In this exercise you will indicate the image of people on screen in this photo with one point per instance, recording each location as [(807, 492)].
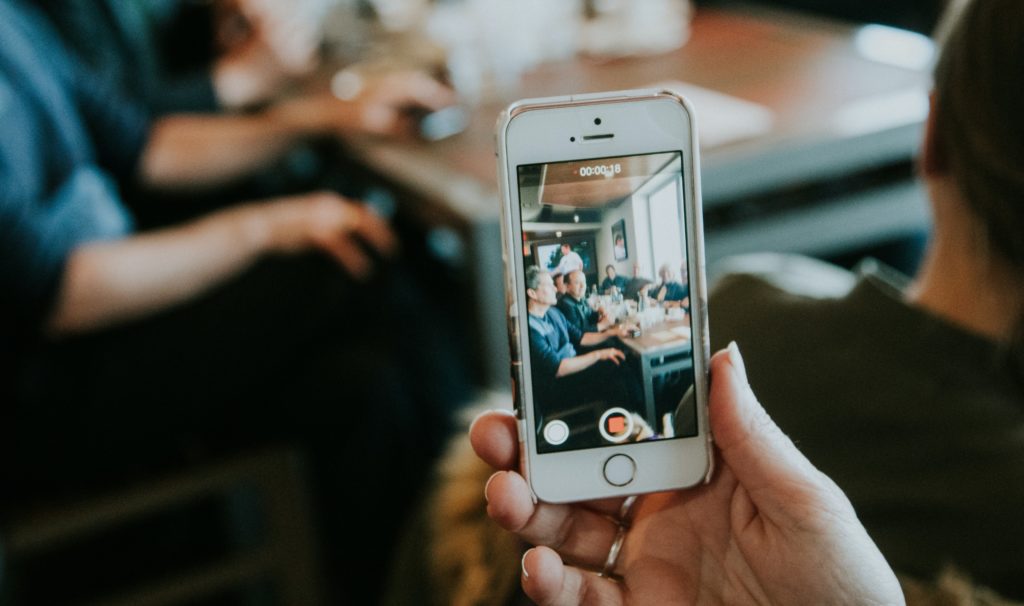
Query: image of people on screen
[(574, 372), (610, 352)]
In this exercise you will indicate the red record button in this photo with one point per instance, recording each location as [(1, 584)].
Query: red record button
[(616, 425)]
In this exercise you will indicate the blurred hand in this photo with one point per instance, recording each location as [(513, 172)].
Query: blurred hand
[(769, 528), (611, 354), (386, 104), (328, 222), (623, 330)]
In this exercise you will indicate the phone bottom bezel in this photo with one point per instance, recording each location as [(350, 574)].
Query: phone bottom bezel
[(661, 465)]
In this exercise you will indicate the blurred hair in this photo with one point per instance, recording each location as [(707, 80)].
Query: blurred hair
[(979, 84), (979, 123), (533, 275)]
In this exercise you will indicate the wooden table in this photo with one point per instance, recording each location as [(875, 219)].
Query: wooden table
[(843, 133), (662, 348)]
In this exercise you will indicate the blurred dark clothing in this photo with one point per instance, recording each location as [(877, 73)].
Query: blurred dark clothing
[(916, 15), (674, 291), (579, 313), (920, 422), (290, 352), (552, 339), (136, 46), (618, 282), (284, 349), (634, 287), (63, 136)]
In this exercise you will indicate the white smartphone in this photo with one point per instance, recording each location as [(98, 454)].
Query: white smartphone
[(606, 293)]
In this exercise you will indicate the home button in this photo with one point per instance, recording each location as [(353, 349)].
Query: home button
[(619, 470)]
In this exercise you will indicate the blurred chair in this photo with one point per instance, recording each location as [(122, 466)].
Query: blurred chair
[(265, 520)]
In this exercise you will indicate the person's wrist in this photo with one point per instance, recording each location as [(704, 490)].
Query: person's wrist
[(281, 226), (259, 229), (305, 116)]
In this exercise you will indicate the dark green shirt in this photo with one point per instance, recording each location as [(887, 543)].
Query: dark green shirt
[(579, 313), (919, 421)]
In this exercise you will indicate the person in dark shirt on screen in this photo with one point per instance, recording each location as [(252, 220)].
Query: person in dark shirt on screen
[(577, 310), (669, 292), (612, 280), (561, 288)]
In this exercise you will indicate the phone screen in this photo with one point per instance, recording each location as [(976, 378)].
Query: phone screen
[(607, 300)]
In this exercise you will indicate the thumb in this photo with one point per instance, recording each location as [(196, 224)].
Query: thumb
[(751, 444)]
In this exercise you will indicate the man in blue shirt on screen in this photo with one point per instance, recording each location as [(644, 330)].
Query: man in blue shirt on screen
[(563, 377)]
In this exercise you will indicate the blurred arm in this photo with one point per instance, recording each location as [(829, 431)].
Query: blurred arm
[(205, 150), (105, 283), (108, 282), (193, 150)]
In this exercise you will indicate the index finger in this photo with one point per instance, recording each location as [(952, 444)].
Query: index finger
[(375, 231)]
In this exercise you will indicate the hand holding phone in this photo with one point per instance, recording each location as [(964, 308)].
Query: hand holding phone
[(769, 524), (593, 184)]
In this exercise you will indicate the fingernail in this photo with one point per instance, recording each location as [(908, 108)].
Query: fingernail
[(475, 419), (736, 359), (501, 411), (522, 564), (488, 484)]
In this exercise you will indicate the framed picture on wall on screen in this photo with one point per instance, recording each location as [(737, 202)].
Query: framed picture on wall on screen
[(619, 240)]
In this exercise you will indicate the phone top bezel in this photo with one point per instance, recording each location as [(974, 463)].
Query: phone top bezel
[(549, 480)]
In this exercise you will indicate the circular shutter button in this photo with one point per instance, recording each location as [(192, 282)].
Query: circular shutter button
[(556, 433), (619, 470)]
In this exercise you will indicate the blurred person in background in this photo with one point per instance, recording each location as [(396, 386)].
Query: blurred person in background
[(561, 288), (188, 56), (908, 393), (917, 15), (193, 65), (287, 319), (570, 261), (612, 280), (669, 292)]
